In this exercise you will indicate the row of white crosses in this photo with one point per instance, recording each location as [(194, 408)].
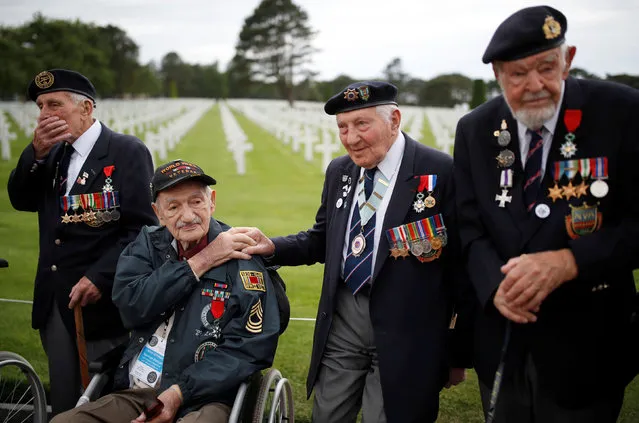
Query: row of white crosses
[(6, 136), (235, 138), (443, 124)]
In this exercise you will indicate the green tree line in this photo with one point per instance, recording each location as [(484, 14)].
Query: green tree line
[(273, 59)]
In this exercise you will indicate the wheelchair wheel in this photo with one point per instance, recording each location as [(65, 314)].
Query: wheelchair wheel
[(275, 400), (22, 397)]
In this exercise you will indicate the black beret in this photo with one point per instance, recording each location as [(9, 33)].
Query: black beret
[(53, 80), (171, 173), (526, 33), (359, 95)]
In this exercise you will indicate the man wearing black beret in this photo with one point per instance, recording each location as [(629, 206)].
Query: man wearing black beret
[(549, 222), (385, 337), (90, 188)]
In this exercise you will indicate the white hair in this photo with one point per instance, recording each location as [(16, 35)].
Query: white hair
[(563, 53), (78, 98), (385, 111)]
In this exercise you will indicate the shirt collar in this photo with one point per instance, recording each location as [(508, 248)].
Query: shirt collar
[(550, 124), (85, 142), (388, 166)]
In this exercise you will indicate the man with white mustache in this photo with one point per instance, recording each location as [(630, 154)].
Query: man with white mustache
[(549, 222)]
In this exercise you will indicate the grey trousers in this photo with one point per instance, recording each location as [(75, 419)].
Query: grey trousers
[(348, 378), (125, 406), (520, 400), (62, 354)]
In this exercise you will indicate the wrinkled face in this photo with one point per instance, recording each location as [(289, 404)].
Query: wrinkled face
[(185, 210), (532, 85), (77, 116), (366, 135)]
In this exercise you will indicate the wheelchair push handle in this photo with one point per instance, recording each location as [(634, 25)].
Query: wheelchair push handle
[(3, 263)]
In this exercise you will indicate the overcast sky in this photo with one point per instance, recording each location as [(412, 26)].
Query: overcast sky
[(356, 37)]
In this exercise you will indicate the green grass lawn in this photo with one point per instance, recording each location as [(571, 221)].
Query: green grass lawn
[(280, 194)]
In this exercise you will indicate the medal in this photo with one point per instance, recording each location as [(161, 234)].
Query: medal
[(427, 183), (358, 245), (115, 214), (599, 188), (503, 198), (436, 243), (66, 218), (542, 211), (572, 120), (108, 171), (417, 248), (554, 193), (339, 203), (506, 158), (419, 205), (569, 191)]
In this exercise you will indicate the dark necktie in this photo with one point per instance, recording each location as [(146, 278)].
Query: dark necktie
[(358, 270), (63, 167), (533, 169)]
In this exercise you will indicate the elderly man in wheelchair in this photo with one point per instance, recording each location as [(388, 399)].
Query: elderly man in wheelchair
[(203, 315)]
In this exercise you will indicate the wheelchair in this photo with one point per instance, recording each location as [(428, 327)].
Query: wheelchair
[(266, 398)]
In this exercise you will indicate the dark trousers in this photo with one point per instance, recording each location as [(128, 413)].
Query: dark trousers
[(522, 401)]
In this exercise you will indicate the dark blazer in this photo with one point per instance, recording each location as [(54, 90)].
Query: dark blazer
[(70, 251), (579, 342), (410, 302)]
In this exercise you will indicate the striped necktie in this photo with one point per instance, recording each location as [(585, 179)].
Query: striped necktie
[(533, 168), (358, 270)]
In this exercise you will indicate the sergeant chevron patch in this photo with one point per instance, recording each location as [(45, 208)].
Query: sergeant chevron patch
[(254, 323)]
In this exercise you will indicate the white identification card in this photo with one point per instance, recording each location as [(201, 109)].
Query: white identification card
[(148, 366)]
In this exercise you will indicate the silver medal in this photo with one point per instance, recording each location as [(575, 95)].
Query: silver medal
[(504, 138), (506, 158), (115, 214), (599, 188), (358, 245), (339, 203), (417, 248)]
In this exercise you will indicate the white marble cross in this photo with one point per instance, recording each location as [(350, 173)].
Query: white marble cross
[(327, 147), (6, 136)]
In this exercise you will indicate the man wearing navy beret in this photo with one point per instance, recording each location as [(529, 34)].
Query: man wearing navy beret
[(548, 209), (385, 337), (90, 188)]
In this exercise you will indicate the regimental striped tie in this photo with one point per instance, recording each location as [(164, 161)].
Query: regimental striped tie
[(533, 168), (358, 270)]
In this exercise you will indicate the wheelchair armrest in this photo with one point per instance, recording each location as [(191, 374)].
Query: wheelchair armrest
[(4, 263), (107, 361)]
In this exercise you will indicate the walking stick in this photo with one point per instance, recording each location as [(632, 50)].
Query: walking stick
[(494, 393), (82, 345)]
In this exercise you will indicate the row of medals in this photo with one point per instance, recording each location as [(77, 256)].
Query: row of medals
[(506, 158), (418, 247), (91, 217)]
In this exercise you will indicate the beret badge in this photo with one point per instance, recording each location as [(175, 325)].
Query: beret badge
[(552, 28), (350, 94), (44, 80), (364, 92)]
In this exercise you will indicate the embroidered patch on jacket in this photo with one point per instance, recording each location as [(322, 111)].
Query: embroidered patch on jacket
[(252, 280), (254, 323)]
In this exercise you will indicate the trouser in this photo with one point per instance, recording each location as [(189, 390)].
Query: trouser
[(522, 401), (127, 405), (348, 377), (62, 354)]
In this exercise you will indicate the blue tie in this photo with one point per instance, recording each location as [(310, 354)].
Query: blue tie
[(358, 270), (533, 169)]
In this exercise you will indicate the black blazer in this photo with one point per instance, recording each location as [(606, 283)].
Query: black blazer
[(410, 302), (580, 340), (77, 249)]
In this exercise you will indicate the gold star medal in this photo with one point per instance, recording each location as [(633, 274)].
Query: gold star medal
[(582, 189), (555, 193), (569, 191)]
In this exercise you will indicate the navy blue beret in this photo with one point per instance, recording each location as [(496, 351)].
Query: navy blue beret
[(360, 95), (53, 80), (526, 33)]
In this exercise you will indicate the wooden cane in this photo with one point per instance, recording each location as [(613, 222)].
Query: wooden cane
[(82, 345)]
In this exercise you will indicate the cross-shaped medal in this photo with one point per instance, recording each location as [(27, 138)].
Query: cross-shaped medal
[(503, 198)]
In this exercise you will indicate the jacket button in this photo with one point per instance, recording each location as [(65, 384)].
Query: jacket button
[(57, 242), (323, 315), (54, 268), (140, 340)]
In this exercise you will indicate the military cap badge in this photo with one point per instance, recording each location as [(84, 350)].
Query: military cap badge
[(552, 28), (44, 80), (351, 94)]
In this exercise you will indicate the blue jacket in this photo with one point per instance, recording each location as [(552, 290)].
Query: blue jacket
[(151, 283)]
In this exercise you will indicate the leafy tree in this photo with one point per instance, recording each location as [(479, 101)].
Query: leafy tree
[(582, 73), (275, 45), (479, 93), (446, 91), (623, 78)]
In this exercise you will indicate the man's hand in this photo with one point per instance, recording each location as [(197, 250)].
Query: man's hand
[(455, 377), (48, 133), (530, 278), (172, 400), (84, 292), (226, 246), (264, 246), (516, 314)]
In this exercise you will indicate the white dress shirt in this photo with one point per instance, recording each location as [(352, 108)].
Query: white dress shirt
[(81, 149), (389, 167)]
